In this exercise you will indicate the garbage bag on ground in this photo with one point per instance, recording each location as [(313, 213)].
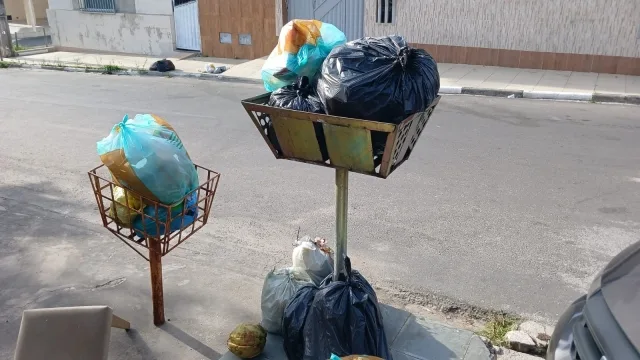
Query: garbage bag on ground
[(279, 288), (313, 256), (295, 315), (211, 68), (378, 79), (148, 223), (146, 155), (163, 65), (299, 96), (348, 313), (247, 341), (302, 47), (119, 211)]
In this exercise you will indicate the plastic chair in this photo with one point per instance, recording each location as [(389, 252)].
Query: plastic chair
[(69, 333)]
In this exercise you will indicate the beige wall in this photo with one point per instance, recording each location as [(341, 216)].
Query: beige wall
[(15, 8), (120, 32), (598, 27)]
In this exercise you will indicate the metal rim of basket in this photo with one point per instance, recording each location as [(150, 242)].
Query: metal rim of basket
[(103, 188)]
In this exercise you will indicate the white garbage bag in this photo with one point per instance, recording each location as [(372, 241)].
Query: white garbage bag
[(314, 257), (279, 288)]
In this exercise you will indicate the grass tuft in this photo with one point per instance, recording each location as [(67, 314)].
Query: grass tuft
[(496, 329), (110, 69)]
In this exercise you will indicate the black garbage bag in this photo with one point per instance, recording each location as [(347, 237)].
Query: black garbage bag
[(299, 96), (378, 79), (163, 65), (295, 315), (345, 319)]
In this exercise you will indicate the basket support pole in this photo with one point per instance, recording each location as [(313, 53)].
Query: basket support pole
[(157, 292), (342, 209)]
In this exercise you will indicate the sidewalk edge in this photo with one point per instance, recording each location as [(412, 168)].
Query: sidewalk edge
[(617, 98), (632, 99), (553, 95)]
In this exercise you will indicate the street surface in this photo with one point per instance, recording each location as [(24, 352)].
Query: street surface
[(505, 204)]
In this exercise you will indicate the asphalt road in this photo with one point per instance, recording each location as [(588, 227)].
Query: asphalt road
[(505, 204)]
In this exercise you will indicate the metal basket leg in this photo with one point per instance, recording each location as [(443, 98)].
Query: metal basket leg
[(157, 292), (342, 209)]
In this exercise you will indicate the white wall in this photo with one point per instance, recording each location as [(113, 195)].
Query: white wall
[(128, 33), (61, 4), (156, 7), (598, 27)]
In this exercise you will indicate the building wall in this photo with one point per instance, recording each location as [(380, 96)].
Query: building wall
[(585, 35), (138, 27), (255, 17), (16, 9)]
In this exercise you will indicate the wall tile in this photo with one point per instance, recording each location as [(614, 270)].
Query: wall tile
[(509, 58), (580, 62), (604, 64), (561, 62), (531, 60), (548, 60), (628, 66)]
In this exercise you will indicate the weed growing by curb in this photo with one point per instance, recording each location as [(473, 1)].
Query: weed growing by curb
[(496, 329), (4, 65), (110, 69)]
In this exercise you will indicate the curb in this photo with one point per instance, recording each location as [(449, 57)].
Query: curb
[(550, 95), (449, 90), (511, 94), (617, 98)]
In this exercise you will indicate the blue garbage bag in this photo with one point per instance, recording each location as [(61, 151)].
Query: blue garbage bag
[(155, 228), (145, 155)]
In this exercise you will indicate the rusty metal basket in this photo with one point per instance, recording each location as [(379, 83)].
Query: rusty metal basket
[(303, 136), (103, 188)]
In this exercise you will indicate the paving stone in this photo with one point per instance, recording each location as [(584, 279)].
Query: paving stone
[(521, 341), (537, 332), (393, 320), (428, 340), (477, 350), (514, 355)]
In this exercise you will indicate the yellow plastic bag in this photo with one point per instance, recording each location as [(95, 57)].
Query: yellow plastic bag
[(122, 214)]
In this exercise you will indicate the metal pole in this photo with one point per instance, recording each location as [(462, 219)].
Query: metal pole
[(342, 209), (6, 48), (157, 293)]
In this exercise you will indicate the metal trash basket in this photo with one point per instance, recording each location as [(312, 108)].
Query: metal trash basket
[(348, 142), (103, 187)]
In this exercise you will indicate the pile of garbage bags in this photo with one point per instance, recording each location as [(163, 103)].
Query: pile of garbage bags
[(314, 69), (317, 316), (149, 163)]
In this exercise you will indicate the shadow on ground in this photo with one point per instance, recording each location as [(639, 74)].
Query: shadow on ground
[(49, 259)]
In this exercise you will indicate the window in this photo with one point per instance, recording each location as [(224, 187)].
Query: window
[(245, 39), (226, 38), (384, 11), (106, 6)]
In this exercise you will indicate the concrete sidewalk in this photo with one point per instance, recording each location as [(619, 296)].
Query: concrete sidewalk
[(51, 260), (410, 338), (455, 78)]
